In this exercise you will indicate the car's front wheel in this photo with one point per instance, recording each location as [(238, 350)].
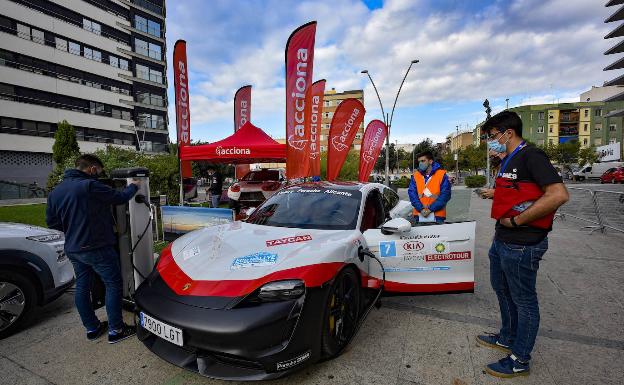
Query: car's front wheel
[(342, 313), (17, 302)]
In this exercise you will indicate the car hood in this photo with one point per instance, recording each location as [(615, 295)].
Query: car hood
[(245, 251), (8, 229), (234, 259)]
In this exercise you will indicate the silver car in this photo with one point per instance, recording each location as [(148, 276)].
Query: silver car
[(34, 271)]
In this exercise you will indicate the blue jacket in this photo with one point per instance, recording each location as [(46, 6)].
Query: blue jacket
[(80, 207), (445, 191)]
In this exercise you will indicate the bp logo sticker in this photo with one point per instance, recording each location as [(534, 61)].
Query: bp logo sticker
[(439, 247)]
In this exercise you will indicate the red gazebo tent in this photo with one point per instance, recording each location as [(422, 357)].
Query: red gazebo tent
[(249, 144)]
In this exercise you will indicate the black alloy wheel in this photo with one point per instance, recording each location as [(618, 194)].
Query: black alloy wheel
[(342, 313)]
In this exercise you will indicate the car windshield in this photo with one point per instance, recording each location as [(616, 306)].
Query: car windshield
[(262, 175), (310, 208)]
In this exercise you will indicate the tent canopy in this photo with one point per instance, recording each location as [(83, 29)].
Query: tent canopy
[(249, 144)]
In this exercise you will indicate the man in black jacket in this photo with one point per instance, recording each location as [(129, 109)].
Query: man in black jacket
[(80, 207)]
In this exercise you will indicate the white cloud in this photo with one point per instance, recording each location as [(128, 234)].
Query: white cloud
[(519, 48)]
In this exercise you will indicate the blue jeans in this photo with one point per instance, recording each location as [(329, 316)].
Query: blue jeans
[(214, 198), (513, 273), (105, 263)]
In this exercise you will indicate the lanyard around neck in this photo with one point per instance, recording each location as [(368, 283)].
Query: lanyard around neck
[(508, 158)]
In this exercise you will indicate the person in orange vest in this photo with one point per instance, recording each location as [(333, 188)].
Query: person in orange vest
[(429, 190)]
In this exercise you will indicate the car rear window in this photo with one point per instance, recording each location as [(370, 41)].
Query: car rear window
[(310, 208), (261, 175)]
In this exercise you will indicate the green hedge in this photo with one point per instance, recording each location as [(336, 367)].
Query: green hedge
[(475, 181)]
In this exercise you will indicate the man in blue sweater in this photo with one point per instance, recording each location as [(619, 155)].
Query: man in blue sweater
[(429, 190), (80, 207)]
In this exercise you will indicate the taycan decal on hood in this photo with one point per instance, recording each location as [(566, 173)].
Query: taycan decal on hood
[(261, 258), (286, 240)]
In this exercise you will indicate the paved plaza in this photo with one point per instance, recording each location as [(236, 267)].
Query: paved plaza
[(410, 340)]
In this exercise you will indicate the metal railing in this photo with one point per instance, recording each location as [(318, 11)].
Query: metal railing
[(14, 190), (602, 209)]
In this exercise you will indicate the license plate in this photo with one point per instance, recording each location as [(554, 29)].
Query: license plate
[(161, 329)]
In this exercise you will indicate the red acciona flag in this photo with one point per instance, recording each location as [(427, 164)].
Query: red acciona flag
[(314, 112), (299, 65), (344, 126), (182, 105), (374, 137), (242, 115)]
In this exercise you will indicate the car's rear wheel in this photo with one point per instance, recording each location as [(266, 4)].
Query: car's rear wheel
[(342, 313), (17, 302)]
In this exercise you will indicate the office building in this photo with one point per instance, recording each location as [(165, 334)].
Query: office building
[(99, 64)]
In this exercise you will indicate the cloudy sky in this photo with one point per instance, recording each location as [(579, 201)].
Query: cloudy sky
[(530, 51)]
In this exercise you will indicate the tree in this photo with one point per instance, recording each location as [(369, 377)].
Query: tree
[(65, 142), (473, 157), (587, 155), (350, 169), (64, 151)]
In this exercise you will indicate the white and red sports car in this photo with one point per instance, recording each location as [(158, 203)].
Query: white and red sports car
[(291, 285), (255, 187)]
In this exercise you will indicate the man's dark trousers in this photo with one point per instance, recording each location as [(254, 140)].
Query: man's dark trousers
[(105, 263), (513, 274)]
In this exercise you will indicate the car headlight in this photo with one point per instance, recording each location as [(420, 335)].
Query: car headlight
[(45, 237), (281, 290)]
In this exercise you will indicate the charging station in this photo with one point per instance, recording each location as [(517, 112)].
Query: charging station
[(133, 228)]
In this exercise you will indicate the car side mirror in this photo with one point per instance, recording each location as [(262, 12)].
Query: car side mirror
[(396, 225)]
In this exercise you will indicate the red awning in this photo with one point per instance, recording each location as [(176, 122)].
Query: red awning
[(249, 144)]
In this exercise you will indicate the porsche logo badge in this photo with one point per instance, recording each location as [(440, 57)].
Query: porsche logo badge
[(186, 286)]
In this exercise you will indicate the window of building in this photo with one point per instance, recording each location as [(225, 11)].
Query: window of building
[(7, 92), (126, 115), (612, 140), (326, 103), (38, 36), (153, 28), (147, 120), (123, 64), (584, 141), (612, 127), (531, 118), (60, 43), (540, 115), (74, 48), (550, 141), (148, 98), (44, 129), (155, 51), (23, 31), (598, 112), (585, 125), (8, 123), (114, 61), (540, 129), (598, 142), (115, 113), (598, 127), (142, 72), (92, 26), (586, 112), (30, 126), (140, 23), (550, 128), (140, 47), (88, 53)]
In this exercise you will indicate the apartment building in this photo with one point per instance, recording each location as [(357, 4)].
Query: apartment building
[(99, 64)]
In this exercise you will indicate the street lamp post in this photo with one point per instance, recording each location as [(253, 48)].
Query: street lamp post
[(388, 122), (413, 151), (457, 155)]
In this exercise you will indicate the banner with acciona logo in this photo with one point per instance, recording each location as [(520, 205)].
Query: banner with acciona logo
[(242, 115), (374, 137), (314, 112), (299, 65), (183, 112), (344, 126)]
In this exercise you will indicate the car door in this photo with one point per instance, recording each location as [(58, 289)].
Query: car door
[(436, 258)]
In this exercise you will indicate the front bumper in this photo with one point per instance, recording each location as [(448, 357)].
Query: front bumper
[(248, 343)]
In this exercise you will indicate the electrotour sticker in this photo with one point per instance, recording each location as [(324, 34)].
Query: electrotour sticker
[(286, 240), (454, 256), (261, 258)]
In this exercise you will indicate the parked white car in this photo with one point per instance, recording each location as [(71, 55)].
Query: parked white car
[(34, 271), (595, 170)]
